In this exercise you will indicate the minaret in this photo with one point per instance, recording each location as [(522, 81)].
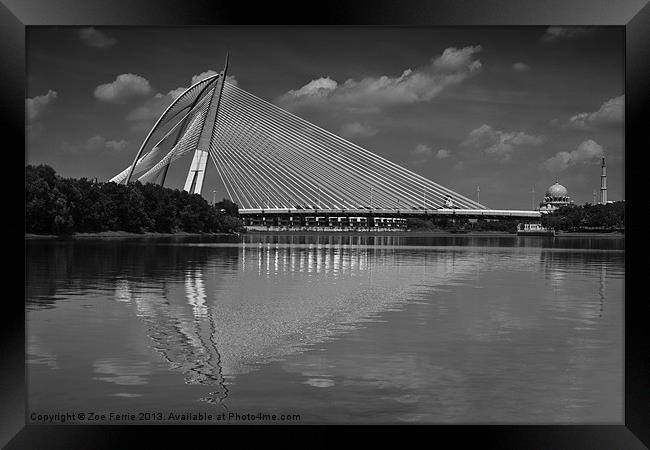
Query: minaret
[(532, 204), (603, 183)]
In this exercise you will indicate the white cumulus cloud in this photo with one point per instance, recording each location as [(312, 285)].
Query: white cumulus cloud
[(373, 93), (500, 144), (588, 152), (95, 38), (94, 144), (520, 67), (146, 114), (36, 106), (125, 86), (202, 76), (98, 142), (422, 149), (426, 151), (116, 146), (175, 93), (610, 112), (321, 87), (558, 33), (209, 73), (357, 129)]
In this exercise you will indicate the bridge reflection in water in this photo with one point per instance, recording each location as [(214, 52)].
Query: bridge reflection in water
[(185, 341), (211, 337)]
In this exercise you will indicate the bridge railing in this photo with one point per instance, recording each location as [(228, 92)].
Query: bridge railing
[(410, 212)]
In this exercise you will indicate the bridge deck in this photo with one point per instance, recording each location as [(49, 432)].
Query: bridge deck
[(524, 214)]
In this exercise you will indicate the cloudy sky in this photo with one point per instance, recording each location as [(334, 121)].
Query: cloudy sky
[(503, 108)]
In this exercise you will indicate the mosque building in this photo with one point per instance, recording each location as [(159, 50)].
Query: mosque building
[(556, 197)]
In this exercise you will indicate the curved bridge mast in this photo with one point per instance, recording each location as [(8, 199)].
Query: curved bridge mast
[(196, 174)]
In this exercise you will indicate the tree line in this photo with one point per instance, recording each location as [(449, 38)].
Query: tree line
[(461, 224), (572, 218), (57, 205), (588, 217)]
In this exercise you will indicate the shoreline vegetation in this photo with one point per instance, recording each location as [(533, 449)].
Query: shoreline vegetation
[(70, 207), (121, 235), (81, 208), (587, 218)]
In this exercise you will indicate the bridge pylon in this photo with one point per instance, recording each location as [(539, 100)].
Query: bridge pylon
[(196, 173)]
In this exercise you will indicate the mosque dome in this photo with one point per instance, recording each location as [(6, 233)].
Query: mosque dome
[(557, 190)]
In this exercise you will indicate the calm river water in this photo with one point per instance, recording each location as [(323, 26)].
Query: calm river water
[(333, 328)]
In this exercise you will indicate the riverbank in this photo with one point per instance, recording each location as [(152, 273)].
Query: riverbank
[(440, 233), (613, 234), (377, 233), (427, 233), (121, 235)]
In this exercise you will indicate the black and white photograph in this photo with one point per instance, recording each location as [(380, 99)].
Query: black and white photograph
[(294, 225)]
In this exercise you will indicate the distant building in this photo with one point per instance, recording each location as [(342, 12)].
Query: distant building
[(556, 197), (449, 202)]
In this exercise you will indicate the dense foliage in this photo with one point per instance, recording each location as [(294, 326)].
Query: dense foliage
[(585, 218), (588, 217), (504, 225), (56, 205), (461, 224)]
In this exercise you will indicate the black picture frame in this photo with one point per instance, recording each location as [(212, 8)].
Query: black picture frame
[(634, 15)]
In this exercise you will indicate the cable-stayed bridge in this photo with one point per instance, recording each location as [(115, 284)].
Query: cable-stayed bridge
[(272, 162)]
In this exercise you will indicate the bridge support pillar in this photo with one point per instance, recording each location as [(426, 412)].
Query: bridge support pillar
[(194, 181)]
